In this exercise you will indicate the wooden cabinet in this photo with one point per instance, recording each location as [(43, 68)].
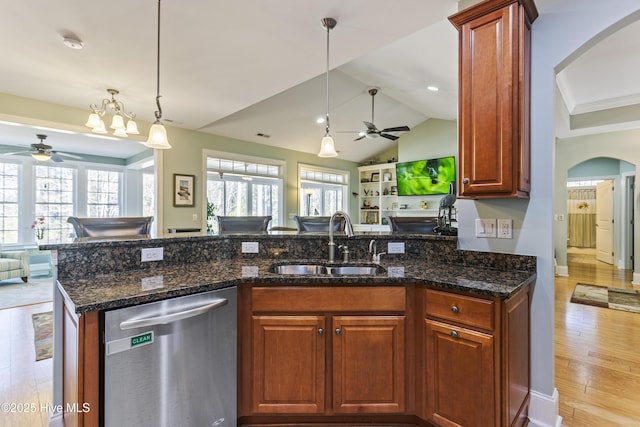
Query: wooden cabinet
[(476, 356), (295, 365), (80, 355), (378, 194), (494, 97), (368, 364)]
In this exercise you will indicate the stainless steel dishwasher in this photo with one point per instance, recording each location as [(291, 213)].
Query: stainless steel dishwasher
[(172, 363)]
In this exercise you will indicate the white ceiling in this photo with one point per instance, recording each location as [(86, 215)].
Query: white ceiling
[(257, 66)]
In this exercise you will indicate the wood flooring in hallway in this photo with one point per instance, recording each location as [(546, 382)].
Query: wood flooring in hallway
[(597, 351)]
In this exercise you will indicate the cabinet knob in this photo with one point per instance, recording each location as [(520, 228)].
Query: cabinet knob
[(454, 334), (465, 180), (455, 309), (338, 331), (320, 331)]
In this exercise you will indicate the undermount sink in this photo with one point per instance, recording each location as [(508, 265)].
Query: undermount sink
[(333, 270)]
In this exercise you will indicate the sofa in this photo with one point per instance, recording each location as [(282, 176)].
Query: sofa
[(13, 265)]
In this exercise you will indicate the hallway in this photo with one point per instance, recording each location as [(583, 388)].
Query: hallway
[(597, 351)]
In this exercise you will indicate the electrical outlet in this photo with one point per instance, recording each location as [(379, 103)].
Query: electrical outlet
[(486, 228), (395, 248), (151, 254), (505, 229), (250, 247)]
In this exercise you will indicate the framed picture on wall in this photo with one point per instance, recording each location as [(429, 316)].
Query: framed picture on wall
[(183, 190)]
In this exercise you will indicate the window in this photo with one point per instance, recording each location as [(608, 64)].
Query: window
[(322, 191), (148, 195), (9, 202), (243, 185), (103, 193), (54, 200)]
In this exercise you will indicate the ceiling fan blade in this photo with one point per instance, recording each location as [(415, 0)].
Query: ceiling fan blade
[(71, 156), (370, 126), (360, 137), (16, 152), (396, 129), (56, 158), (391, 137)]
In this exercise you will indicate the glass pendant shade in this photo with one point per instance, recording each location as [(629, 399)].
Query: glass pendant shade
[(41, 156), (100, 128), (157, 137), (93, 120), (117, 122), (132, 128), (327, 148), (120, 133)]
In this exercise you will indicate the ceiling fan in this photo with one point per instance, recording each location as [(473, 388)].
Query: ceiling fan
[(43, 152), (372, 131)]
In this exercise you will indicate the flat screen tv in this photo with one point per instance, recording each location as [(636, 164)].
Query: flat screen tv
[(424, 177)]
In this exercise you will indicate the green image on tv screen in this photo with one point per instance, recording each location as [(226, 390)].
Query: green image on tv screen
[(423, 177)]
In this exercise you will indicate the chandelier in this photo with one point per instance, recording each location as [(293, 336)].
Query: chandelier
[(96, 123)]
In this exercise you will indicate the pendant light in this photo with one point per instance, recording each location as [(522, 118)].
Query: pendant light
[(157, 133), (327, 147)]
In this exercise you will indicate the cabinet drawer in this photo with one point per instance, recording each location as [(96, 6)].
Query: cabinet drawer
[(334, 298), (463, 309)]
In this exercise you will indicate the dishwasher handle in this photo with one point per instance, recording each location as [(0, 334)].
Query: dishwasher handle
[(173, 317)]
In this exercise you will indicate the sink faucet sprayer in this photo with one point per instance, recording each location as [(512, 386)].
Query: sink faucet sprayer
[(348, 229)]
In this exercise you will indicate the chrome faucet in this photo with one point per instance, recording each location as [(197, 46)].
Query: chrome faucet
[(375, 257), (348, 229)]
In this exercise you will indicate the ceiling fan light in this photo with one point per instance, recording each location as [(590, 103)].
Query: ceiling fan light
[(327, 147), (157, 137), (93, 120), (120, 133), (117, 122), (100, 128), (41, 156), (132, 128)]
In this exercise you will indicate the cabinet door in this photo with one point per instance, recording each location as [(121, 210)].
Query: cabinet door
[(493, 120), (369, 364), (288, 364), (459, 376)]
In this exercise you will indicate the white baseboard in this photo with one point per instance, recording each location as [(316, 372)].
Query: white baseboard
[(635, 280), (543, 410), (562, 270)]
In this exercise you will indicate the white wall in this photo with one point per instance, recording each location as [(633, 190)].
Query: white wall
[(562, 28)]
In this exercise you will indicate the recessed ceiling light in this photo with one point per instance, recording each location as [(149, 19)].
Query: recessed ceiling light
[(72, 42), (433, 88)]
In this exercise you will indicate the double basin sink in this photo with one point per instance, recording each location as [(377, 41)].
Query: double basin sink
[(312, 269)]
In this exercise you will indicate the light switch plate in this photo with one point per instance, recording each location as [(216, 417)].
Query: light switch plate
[(250, 247), (486, 227)]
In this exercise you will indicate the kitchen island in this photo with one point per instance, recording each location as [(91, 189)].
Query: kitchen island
[(434, 315)]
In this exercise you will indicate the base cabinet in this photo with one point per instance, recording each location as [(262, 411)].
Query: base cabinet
[(460, 375)]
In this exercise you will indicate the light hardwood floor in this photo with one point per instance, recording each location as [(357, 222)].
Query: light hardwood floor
[(597, 351), (25, 384)]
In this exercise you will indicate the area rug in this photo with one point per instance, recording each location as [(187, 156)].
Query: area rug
[(16, 293), (601, 296), (43, 334)]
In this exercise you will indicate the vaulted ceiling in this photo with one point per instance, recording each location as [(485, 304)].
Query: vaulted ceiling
[(246, 67)]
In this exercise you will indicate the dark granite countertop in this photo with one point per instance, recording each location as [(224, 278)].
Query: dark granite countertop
[(111, 291)]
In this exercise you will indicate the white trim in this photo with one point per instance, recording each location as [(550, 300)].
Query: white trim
[(543, 410), (56, 420), (562, 271), (636, 279)]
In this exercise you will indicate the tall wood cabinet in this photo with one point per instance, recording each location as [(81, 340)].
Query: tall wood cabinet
[(494, 97)]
